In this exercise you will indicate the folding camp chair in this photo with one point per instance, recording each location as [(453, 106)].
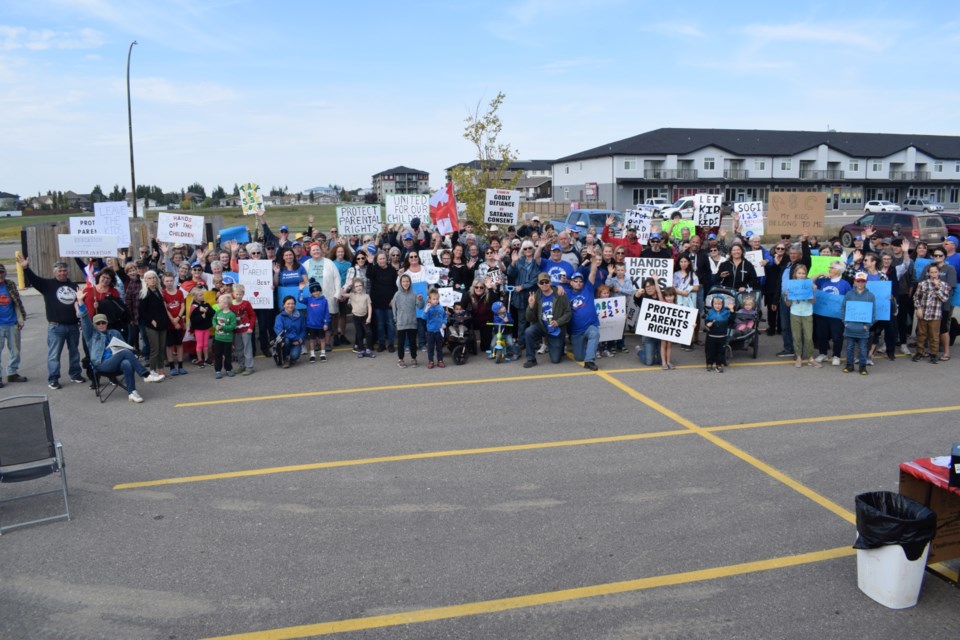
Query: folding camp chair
[(103, 384), (29, 451)]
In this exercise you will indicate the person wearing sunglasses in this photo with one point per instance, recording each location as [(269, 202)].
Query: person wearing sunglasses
[(655, 248), (631, 245), (523, 272)]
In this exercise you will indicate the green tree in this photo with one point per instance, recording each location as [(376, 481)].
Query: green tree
[(493, 157), (218, 193), (96, 194), (236, 189), (198, 189), (116, 195)]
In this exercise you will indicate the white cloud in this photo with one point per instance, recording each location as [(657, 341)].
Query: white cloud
[(857, 36), (560, 67), (14, 38), (675, 29), (163, 91)]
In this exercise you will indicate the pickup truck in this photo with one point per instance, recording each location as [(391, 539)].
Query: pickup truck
[(586, 218), (657, 203)]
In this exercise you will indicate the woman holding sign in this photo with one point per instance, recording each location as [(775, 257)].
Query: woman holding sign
[(737, 272)]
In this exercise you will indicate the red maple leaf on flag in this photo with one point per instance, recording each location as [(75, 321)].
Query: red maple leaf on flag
[(443, 209)]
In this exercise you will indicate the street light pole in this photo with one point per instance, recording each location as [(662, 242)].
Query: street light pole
[(133, 178)]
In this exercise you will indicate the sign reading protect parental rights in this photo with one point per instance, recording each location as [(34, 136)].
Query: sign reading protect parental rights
[(358, 219)]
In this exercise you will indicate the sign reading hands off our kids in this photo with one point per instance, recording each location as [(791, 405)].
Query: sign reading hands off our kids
[(660, 269), (666, 321), (179, 227)]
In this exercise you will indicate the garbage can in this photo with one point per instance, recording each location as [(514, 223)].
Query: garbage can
[(894, 534)]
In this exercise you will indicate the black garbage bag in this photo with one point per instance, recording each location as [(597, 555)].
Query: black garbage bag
[(886, 518)]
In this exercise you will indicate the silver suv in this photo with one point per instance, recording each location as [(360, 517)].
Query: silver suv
[(919, 204)]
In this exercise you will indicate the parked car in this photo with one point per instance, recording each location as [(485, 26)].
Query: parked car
[(952, 220), (657, 203), (917, 226), (919, 204), (686, 206), (586, 218), (876, 206)]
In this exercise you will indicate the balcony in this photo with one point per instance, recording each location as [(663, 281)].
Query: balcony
[(815, 174), (910, 176), (735, 174), (669, 174)]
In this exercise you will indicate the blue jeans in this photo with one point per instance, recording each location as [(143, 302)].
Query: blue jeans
[(57, 336), (434, 343), (385, 326), (785, 331), (649, 352), (852, 344), (124, 362), (292, 350), (554, 343), (10, 336), (421, 331), (592, 337)]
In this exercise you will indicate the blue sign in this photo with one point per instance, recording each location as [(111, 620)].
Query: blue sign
[(919, 265), (955, 299), (799, 289), (858, 311), (881, 290), (827, 304), (420, 288), (240, 234), (283, 292)]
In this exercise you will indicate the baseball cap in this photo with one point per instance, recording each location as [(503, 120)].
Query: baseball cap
[(299, 236), (577, 276), (100, 318), (655, 236), (283, 227), (886, 240), (195, 265), (3, 269), (228, 280), (494, 229), (543, 277), (860, 276), (952, 239), (711, 236), (408, 236), (556, 247), (297, 243), (535, 219)]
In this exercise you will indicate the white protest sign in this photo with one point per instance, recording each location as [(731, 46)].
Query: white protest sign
[(432, 274), (358, 219), (83, 226), (640, 219), (250, 198), (444, 226), (708, 210), (612, 313), (87, 246), (665, 321), (756, 259), (659, 268), (501, 206), (112, 219), (402, 208), (448, 296), (179, 227), (256, 276), (426, 257), (751, 218)]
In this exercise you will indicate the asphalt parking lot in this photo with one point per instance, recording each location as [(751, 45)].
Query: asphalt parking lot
[(480, 501)]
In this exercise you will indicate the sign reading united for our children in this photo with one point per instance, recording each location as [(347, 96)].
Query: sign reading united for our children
[(404, 207), (501, 206), (358, 220)]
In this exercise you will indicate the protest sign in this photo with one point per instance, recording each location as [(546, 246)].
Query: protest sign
[(240, 234), (83, 226), (256, 276), (639, 219), (827, 304), (795, 213), (420, 288), (358, 219), (448, 296), (955, 298), (501, 206), (659, 268), (431, 274), (799, 289), (919, 264), (820, 265), (666, 321), (87, 246), (113, 219), (612, 313), (404, 207), (750, 215), (707, 210), (858, 311), (426, 257), (179, 227), (283, 292), (881, 290), (251, 199), (756, 259)]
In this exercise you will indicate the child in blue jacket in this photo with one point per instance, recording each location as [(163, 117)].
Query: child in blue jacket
[(717, 321), (318, 318), (436, 319)]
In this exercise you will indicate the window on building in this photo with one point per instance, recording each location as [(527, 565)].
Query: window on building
[(566, 193), (938, 167), (566, 169), (709, 164), (786, 164), (637, 196), (760, 165), (630, 164), (877, 166), (956, 168), (854, 165)]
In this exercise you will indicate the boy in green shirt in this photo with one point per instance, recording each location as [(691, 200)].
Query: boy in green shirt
[(224, 323)]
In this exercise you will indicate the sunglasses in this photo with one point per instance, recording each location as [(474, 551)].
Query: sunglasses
[(654, 240), (619, 253), (99, 323), (778, 249), (254, 253), (939, 255), (361, 257), (543, 282), (478, 288)]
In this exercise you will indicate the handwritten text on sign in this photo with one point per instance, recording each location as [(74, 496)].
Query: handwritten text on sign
[(665, 321), (83, 226), (179, 227), (708, 210), (501, 206), (251, 200), (87, 246), (660, 269), (612, 313), (402, 208), (793, 213), (113, 219), (751, 218), (358, 220), (256, 276), (639, 219)]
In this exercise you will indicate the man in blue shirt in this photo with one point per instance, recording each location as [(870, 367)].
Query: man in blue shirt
[(584, 322), (12, 316), (559, 269)]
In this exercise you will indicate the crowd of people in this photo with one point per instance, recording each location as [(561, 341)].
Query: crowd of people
[(531, 289)]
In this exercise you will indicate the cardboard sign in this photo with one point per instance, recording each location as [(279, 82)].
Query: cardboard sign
[(402, 208), (83, 226), (796, 212), (501, 206), (251, 199), (426, 257), (858, 311), (358, 219), (612, 313), (881, 290), (750, 215), (659, 268), (179, 227), (640, 219), (256, 276), (707, 212), (448, 297), (799, 289), (756, 259), (87, 246), (113, 219), (665, 321), (827, 304)]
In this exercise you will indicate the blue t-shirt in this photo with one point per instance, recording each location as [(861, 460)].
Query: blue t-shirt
[(8, 315), (292, 277), (584, 313), (548, 315), (840, 287), (557, 270)]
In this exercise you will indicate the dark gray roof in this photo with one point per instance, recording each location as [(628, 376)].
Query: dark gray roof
[(4, 194), (755, 142), (400, 169), (516, 165)]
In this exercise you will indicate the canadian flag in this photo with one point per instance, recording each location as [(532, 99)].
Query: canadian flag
[(443, 210)]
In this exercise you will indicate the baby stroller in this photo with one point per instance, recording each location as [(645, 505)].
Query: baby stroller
[(459, 335), (742, 332)]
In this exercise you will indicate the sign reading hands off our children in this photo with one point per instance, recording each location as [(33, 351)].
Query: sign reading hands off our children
[(179, 227), (666, 321)]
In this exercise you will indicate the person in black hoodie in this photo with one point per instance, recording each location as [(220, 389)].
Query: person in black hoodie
[(59, 294), (154, 317), (383, 285)]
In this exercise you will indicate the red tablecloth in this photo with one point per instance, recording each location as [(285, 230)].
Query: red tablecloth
[(924, 469)]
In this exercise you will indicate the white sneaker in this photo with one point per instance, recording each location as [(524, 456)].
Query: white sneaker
[(153, 377), (821, 357), (870, 362), (542, 349), (836, 361), (134, 397), (905, 350)]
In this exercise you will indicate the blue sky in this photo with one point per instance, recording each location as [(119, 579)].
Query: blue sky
[(304, 93)]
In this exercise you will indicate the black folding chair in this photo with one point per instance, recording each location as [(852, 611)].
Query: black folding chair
[(103, 384), (28, 450)]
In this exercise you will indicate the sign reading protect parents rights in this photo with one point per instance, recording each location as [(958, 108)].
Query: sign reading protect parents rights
[(358, 219), (404, 207), (179, 227), (665, 321), (501, 206)]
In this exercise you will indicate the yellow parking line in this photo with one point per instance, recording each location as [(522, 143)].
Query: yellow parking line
[(836, 418), (740, 453), (538, 599), (399, 458)]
